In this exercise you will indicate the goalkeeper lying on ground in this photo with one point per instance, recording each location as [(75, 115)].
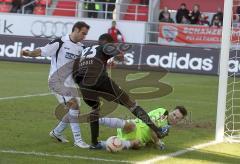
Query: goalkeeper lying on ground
[(136, 134)]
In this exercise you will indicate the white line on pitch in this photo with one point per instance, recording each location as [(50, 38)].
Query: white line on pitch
[(24, 96), (153, 160), (62, 156), (177, 153)]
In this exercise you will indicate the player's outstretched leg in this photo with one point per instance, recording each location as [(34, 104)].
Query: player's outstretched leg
[(72, 118), (136, 110), (56, 133), (121, 97), (142, 115), (112, 122), (94, 125), (93, 102)]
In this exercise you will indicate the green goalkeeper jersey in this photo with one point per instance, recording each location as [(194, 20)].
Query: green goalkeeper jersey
[(142, 131)]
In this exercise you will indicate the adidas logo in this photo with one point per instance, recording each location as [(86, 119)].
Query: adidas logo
[(172, 60)]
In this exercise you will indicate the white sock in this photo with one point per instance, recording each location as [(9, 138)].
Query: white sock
[(74, 123), (126, 144), (112, 122), (62, 125)]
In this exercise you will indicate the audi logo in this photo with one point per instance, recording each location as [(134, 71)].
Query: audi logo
[(50, 29)]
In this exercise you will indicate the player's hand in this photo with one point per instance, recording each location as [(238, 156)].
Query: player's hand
[(25, 53), (111, 64), (164, 131), (135, 144)]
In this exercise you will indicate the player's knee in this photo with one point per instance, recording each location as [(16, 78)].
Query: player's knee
[(92, 104), (96, 106), (73, 103), (129, 127)]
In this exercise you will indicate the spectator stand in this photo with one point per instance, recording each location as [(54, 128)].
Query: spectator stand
[(5, 6), (131, 10), (207, 8), (65, 8), (38, 7)]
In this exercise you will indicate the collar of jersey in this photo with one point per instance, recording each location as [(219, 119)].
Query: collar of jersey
[(68, 37)]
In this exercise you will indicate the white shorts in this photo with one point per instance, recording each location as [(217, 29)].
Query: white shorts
[(65, 99)]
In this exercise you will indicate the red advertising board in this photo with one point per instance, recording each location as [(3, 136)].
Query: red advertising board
[(192, 34)]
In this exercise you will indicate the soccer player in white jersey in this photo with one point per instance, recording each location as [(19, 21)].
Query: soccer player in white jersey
[(62, 51)]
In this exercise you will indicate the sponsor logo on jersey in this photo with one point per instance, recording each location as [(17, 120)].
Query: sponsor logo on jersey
[(66, 48), (71, 55)]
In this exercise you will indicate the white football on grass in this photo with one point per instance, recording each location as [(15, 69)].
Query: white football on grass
[(114, 144)]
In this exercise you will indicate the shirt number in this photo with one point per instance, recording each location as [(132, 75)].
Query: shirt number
[(90, 52)]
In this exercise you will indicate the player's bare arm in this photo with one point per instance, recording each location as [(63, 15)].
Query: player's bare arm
[(157, 142), (34, 53), (154, 137)]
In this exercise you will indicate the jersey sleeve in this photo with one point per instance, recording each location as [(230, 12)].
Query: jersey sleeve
[(51, 48), (156, 115)]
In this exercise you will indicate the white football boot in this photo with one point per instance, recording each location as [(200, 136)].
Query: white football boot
[(81, 144), (58, 137)]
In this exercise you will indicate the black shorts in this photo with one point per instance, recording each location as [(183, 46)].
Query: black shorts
[(106, 88)]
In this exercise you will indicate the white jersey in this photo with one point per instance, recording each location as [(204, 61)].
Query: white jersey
[(62, 51)]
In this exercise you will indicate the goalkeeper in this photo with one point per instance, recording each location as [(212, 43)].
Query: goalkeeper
[(136, 134)]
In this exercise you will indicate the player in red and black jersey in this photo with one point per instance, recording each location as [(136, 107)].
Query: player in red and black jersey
[(91, 76)]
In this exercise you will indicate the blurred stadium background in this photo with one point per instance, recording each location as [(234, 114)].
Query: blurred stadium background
[(189, 50)]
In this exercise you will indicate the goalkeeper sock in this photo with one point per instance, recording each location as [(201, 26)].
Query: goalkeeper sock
[(112, 122), (126, 144), (142, 115)]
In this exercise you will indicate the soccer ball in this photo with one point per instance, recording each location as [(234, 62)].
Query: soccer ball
[(114, 144)]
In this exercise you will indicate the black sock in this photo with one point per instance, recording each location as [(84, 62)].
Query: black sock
[(142, 115), (94, 124)]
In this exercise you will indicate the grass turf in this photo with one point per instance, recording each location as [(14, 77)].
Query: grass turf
[(26, 122)]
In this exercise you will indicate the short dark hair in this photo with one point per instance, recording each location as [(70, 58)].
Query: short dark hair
[(197, 5), (79, 25), (183, 4), (182, 110), (105, 38)]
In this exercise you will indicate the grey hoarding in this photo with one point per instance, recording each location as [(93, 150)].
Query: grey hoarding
[(234, 62), (181, 59), (10, 47), (174, 59)]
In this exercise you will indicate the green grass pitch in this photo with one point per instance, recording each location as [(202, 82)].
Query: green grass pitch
[(25, 122)]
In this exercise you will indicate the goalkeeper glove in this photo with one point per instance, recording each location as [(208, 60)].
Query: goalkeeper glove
[(161, 145), (164, 131)]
